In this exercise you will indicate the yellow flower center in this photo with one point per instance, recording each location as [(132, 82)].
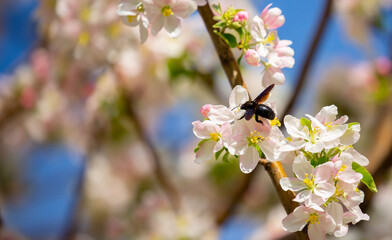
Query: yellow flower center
[(85, 14), (312, 134), (309, 181), (276, 122), (313, 218), (131, 18), (339, 192), (84, 38), (270, 39), (255, 137), (140, 8), (329, 125), (166, 11), (342, 168), (214, 137)]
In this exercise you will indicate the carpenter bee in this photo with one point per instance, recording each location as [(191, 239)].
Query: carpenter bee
[(258, 109)]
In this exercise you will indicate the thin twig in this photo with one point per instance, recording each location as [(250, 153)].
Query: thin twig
[(309, 58), (275, 170), (162, 178), (235, 198)]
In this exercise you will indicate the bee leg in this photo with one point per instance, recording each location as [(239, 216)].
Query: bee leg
[(257, 119), (241, 117)]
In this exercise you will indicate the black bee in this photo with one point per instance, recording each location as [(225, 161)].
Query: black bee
[(258, 109)]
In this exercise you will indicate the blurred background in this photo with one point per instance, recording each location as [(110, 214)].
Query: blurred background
[(96, 138)]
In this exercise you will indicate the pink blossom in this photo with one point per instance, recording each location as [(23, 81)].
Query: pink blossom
[(252, 57), (205, 110), (272, 75), (281, 55), (28, 97), (241, 16), (273, 17), (320, 223), (167, 14), (383, 65)]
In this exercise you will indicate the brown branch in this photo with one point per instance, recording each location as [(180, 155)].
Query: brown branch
[(162, 178), (275, 170), (235, 198), (225, 55), (309, 58)]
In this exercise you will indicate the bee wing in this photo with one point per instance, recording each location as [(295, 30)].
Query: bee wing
[(249, 114), (264, 95)]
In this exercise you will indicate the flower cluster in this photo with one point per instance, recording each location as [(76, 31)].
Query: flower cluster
[(327, 171), (258, 40), (221, 131), (153, 15)]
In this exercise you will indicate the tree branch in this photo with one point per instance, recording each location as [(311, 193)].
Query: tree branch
[(231, 68), (309, 58), (226, 57), (171, 191)]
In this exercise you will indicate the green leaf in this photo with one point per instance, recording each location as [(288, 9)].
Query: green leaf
[(217, 8), (318, 160), (218, 153), (225, 157), (228, 38), (231, 40), (219, 25), (367, 177), (240, 31), (306, 122)]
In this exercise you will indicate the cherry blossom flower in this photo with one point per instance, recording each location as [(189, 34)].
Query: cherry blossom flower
[(272, 75), (281, 55), (246, 136), (132, 13), (309, 181), (167, 14), (316, 135), (272, 17), (214, 134), (320, 223)]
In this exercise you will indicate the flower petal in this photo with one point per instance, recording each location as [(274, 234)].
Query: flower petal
[(301, 167), (292, 184), (249, 160), (173, 26), (205, 152), (296, 220), (238, 96)]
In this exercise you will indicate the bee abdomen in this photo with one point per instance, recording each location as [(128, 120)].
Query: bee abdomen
[(265, 112)]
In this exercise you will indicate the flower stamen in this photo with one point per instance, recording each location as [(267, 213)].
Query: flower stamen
[(166, 11)]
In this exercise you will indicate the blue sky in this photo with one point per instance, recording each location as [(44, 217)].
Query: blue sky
[(18, 36)]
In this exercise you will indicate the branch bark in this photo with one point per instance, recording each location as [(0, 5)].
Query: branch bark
[(229, 64), (163, 179), (309, 58)]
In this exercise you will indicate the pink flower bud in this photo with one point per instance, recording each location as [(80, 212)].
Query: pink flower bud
[(252, 57), (383, 65), (205, 110), (241, 16), (28, 97)]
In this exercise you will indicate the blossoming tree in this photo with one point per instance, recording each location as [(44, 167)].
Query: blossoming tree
[(106, 71)]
